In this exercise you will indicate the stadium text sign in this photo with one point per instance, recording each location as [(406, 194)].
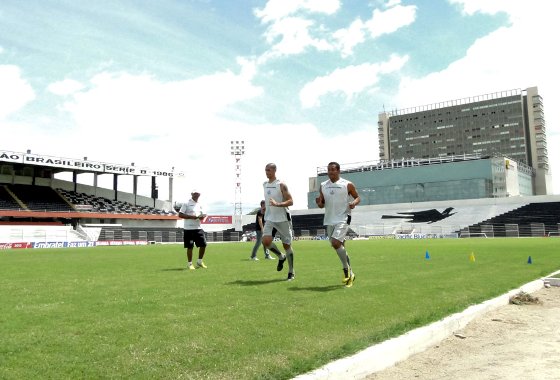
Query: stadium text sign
[(121, 242), (70, 244), (64, 244), (71, 164)]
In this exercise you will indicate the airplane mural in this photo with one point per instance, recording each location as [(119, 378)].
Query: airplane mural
[(426, 216)]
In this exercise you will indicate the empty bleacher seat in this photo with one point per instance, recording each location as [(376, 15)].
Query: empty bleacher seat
[(40, 198)]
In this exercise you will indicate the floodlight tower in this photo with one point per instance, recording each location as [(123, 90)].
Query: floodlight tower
[(237, 151)]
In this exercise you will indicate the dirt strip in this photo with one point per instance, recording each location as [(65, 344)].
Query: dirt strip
[(511, 342)]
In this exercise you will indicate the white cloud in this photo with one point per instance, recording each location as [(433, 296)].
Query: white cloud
[(291, 28), (389, 21), (470, 7), (294, 37), (278, 9), (143, 105), (492, 64), (248, 68), (392, 3), (350, 80), (65, 87), (381, 22), (15, 91), (349, 37)]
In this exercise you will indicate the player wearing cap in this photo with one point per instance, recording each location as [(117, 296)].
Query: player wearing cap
[(193, 215)]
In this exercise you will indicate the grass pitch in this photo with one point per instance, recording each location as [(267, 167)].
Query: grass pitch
[(136, 312)]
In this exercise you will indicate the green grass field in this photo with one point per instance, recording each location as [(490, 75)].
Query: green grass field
[(136, 312)]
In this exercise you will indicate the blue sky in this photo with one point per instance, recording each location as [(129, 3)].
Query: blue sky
[(170, 83)]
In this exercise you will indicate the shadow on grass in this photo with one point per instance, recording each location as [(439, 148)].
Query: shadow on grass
[(249, 259), (327, 288), (255, 282), (173, 269)]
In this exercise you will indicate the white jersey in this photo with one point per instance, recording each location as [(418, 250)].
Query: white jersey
[(337, 201), (191, 208), (272, 191)]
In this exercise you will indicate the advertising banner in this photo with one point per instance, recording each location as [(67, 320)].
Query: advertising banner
[(218, 219)]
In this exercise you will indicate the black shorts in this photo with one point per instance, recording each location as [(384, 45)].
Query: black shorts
[(192, 237)]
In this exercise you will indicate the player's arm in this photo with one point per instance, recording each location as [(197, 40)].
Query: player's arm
[(354, 193), (287, 200), (320, 200), (188, 213), (183, 212), (186, 216)]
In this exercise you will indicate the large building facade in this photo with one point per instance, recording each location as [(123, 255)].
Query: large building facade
[(488, 146), (508, 123)]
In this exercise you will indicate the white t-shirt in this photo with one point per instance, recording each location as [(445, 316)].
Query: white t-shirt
[(337, 201), (191, 208)]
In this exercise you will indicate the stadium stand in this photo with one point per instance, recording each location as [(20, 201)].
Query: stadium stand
[(7, 201), (158, 235), (88, 202), (39, 198), (533, 219), (44, 198), (312, 223)]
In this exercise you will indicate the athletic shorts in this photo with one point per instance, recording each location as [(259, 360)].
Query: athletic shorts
[(283, 230), (338, 231), (192, 237)]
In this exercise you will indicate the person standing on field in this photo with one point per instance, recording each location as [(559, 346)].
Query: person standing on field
[(192, 231), (338, 196), (277, 199), (259, 226)]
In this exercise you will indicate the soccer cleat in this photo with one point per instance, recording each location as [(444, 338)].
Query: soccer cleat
[(201, 265), (280, 264), (291, 277), (270, 258), (254, 258), (345, 277), (191, 267), (351, 280)]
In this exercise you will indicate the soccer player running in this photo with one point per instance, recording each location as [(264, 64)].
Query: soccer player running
[(278, 199), (338, 196)]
